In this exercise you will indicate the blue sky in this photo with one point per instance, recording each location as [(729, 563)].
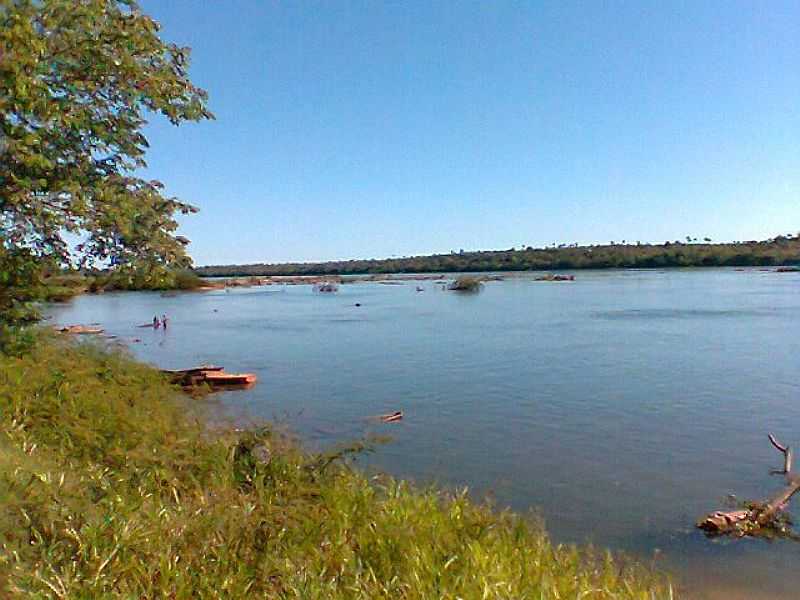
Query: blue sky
[(369, 129)]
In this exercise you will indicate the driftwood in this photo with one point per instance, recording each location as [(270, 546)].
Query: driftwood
[(388, 418), (392, 417), (757, 516), (213, 376), (81, 329), (193, 371)]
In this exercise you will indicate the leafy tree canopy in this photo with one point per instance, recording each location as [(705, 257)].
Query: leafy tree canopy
[(78, 79)]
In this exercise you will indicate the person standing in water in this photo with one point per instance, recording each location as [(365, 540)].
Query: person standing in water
[(156, 322), (164, 321)]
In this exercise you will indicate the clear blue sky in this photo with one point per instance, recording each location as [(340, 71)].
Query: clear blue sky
[(370, 129)]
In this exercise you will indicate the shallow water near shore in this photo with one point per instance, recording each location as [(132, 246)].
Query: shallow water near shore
[(621, 406)]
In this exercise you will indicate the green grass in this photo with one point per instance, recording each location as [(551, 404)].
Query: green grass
[(110, 488)]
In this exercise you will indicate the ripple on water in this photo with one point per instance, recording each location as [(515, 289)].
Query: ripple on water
[(651, 314)]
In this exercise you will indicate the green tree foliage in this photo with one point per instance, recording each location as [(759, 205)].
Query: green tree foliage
[(782, 250), (78, 78), (19, 277)]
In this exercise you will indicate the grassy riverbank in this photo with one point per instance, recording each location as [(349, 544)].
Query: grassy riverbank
[(108, 488)]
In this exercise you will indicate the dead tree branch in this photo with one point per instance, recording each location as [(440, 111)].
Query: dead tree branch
[(787, 454), (758, 516)]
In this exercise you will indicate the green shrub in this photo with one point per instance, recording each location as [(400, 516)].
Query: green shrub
[(466, 284), (136, 279)]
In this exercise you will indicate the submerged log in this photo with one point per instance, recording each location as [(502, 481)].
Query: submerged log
[(778, 502), (721, 522), (389, 417), (392, 417), (758, 516)]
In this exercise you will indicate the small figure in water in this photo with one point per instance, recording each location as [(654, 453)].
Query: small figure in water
[(156, 322), (164, 321)]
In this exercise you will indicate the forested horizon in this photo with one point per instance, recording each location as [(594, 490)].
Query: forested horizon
[(781, 250)]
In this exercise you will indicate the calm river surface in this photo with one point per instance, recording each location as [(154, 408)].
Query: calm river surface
[(621, 406)]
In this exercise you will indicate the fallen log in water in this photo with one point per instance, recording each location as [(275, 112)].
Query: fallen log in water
[(192, 371), (392, 417), (211, 375), (758, 517), (388, 418), (81, 329)]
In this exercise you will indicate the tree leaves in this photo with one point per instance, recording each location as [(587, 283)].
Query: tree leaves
[(76, 80)]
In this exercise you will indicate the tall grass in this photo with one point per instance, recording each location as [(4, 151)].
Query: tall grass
[(109, 489)]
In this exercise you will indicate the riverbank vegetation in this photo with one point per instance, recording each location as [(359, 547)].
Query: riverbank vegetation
[(36, 284), (137, 279), (782, 250), (108, 488)]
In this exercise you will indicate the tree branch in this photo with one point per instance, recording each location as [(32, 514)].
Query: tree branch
[(787, 454)]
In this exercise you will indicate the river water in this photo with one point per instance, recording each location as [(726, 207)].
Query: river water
[(621, 406)]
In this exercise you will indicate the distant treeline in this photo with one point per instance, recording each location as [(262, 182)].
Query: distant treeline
[(782, 250)]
